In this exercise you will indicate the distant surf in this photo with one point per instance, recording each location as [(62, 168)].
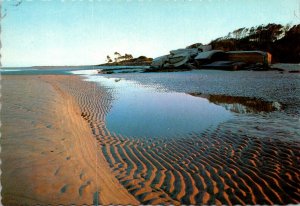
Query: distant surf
[(9, 70), (85, 72)]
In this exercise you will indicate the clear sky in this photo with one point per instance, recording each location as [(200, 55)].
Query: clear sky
[(83, 32)]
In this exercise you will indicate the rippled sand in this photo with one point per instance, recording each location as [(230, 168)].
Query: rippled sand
[(223, 165), (48, 153), (220, 166)]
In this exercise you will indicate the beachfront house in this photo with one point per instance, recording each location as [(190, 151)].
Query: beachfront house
[(250, 57)]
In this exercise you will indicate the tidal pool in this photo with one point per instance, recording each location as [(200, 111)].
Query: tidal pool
[(150, 111)]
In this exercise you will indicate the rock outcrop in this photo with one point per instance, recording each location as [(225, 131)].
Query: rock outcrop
[(176, 59), (244, 48), (186, 59)]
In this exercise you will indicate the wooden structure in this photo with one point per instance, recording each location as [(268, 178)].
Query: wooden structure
[(250, 57)]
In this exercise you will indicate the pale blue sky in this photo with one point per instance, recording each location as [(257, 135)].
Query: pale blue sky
[(84, 32)]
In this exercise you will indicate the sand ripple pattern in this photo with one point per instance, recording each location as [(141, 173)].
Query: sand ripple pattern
[(219, 166)]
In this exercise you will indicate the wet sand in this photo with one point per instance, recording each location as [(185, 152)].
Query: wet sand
[(49, 155), (269, 86), (219, 166)]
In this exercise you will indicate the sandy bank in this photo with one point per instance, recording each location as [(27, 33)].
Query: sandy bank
[(48, 153), (223, 165), (55, 157)]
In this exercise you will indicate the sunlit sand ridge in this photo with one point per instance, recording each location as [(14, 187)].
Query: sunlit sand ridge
[(218, 166), (49, 155)]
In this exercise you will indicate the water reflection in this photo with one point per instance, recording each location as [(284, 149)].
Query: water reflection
[(143, 111), (241, 104)]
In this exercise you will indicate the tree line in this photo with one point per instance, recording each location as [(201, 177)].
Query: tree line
[(118, 57)]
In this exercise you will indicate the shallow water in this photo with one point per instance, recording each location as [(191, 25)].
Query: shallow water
[(77, 70), (242, 105), (250, 157), (150, 108), (86, 72), (248, 150), (152, 112)]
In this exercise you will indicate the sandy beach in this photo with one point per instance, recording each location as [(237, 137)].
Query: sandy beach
[(121, 102), (49, 155), (219, 166), (63, 153)]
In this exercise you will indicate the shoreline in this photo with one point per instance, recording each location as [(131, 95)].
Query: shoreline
[(57, 160), (223, 165)]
